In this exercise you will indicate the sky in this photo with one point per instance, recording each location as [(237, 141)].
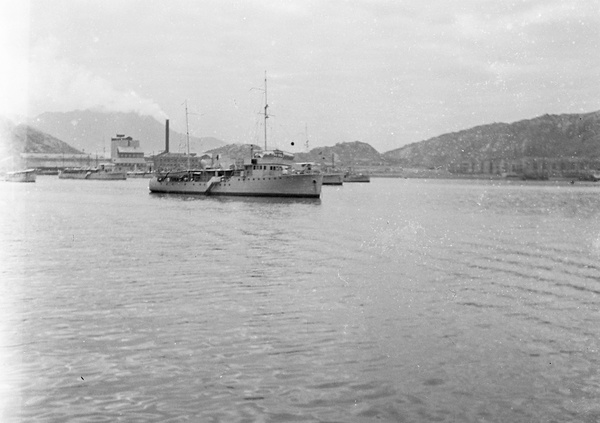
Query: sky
[(384, 72)]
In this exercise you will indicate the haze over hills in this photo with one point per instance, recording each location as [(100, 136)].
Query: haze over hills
[(91, 131)]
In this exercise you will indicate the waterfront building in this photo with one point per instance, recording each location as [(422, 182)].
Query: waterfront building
[(127, 156), (535, 167)]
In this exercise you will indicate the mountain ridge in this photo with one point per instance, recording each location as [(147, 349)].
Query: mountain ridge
[(23, 138), (546, 136), (563, 136)]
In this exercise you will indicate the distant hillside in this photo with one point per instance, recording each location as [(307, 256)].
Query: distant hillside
[(17, 139), (91, 131), (345, 154), (548, 136), (235, 151)]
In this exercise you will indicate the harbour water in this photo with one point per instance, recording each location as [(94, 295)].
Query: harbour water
[(402, 300)]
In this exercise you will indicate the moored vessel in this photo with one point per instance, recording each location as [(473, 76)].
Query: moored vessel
[(333, 178), (330, 176), (356, 177), (267, 173), (27, 175), (139, 174), (104, 172)]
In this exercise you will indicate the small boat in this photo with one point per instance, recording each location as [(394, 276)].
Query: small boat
[(267, 173), (330, 176), (103, 173), (356, 177), (27, 175)]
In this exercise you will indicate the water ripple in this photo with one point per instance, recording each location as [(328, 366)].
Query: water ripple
[(400, 300)]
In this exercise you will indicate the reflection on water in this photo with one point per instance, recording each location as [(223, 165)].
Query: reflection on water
[(398, 300), (211, 199)]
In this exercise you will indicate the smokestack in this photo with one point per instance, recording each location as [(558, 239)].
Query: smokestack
[(167, 136)]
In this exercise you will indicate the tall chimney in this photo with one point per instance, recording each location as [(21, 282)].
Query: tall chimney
[(167, 136)]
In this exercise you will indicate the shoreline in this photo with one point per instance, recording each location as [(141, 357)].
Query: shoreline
[(433, 174)]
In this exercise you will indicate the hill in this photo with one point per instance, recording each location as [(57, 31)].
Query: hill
[(22, 138), (566, 136), (235, 151), (549, 136), (345, 154), (342, 154), (91, 131)]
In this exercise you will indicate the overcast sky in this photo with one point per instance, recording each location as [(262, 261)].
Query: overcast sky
[(383, 72)]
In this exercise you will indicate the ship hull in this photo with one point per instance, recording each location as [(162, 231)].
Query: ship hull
[(333, 179), (21, 176), (302, 186), (357, 178), (146, 175)]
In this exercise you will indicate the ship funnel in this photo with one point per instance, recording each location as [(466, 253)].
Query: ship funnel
[(167, 136)]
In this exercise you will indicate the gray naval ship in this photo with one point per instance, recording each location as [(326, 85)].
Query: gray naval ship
[(267, 174)]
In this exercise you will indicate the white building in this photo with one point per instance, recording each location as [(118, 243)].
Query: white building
[(126, 155)]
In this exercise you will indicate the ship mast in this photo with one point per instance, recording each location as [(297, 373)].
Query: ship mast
[(306, 134), (187, 133), (266, 107)]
